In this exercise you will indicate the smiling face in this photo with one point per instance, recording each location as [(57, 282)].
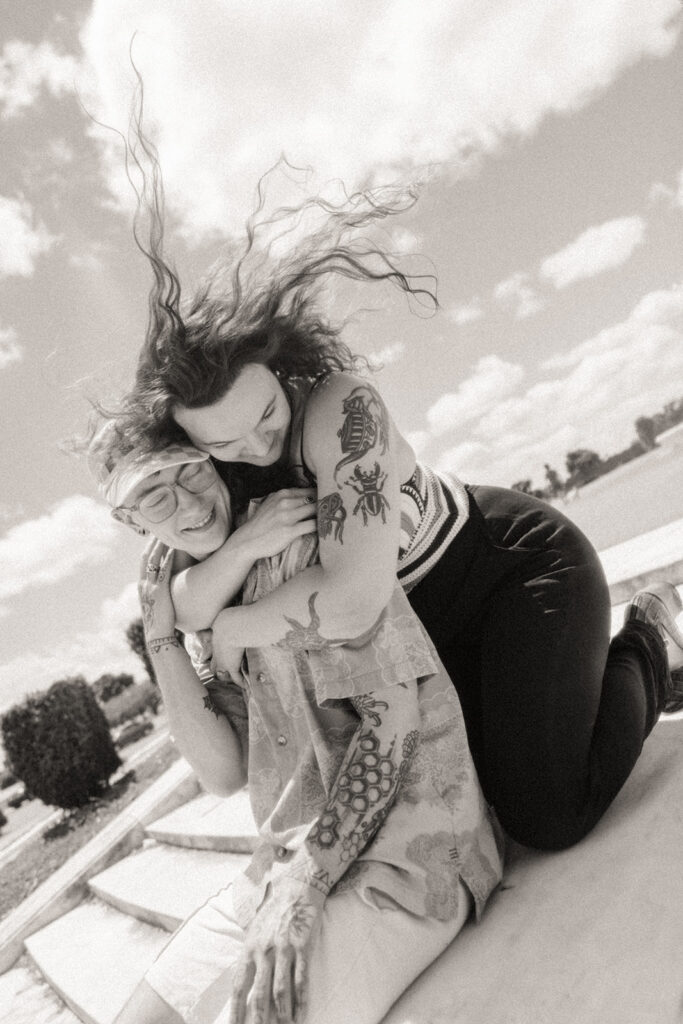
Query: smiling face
[(249, 423), (201, 522)]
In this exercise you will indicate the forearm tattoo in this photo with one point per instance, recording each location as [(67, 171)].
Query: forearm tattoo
[(361, 798), (331, 517), (161, 643), (366, 426), (305, 638)]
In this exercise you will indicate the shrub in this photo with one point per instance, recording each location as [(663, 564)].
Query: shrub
[(132, 732), (6, 779), (59, 745), (3, 819), (18, 800), (108, 685), (132, 702)]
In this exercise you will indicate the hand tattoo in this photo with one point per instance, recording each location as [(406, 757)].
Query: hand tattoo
[(366, 425), (147, 606)]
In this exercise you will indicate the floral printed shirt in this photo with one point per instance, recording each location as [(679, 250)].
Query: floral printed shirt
[(295, 714)]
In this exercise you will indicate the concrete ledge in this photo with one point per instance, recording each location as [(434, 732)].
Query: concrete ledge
[(589, 935), (65, 889), (623, 590)]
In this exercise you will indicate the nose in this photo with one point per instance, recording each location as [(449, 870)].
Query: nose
[(187, 501), (258, 444)]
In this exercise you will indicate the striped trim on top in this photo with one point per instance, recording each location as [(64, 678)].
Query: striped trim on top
[(434, 507)]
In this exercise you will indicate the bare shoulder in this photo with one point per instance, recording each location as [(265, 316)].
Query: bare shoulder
[(329, 396), (347, 412)]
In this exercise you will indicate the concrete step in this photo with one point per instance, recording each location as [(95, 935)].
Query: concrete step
[(26, 998), (93, 957), (164, 884), (590, 935), (209, 823)]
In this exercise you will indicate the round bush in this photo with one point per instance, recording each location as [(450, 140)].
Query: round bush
[(59, 745)]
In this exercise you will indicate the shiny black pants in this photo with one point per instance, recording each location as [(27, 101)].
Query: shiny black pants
[(518, 609)]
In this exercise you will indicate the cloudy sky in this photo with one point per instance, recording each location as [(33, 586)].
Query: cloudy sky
[(551, 140)]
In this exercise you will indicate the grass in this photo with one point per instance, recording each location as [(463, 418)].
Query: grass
[(45, 853)]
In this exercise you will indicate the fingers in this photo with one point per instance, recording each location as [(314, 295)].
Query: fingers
[(305, 526), (296, 493), (244, 975), (166, 565), (262, 989), (300, 987), (282, 986)]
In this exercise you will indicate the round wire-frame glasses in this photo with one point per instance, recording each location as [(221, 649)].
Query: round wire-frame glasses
[(160, 502)]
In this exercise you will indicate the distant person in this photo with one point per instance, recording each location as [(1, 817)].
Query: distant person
[(374, 839)]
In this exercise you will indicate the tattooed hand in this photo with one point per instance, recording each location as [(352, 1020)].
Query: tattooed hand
[(273, 966), (158, 613)]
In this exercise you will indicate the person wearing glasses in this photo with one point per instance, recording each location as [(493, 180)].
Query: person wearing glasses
[(375, 842)]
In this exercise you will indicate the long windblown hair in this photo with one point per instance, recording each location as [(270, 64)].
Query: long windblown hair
[(261, 305)]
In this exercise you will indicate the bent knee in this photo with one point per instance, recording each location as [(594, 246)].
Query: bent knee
[(546, 825), (145, 1006)]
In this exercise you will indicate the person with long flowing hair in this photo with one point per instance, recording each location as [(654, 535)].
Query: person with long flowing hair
[(252, 369)]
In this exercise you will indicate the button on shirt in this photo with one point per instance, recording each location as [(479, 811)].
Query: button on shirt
[(300, 725)]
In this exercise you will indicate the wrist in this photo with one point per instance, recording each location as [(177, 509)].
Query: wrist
[(155, 645)]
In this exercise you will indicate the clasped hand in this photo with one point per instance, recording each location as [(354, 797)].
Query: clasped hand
[(273, 966)]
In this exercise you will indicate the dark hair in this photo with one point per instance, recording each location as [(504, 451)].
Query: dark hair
[(256, 307)]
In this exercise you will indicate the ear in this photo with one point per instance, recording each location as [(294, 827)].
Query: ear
[(124, 517)]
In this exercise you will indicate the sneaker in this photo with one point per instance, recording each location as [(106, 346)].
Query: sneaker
[(659, 604)]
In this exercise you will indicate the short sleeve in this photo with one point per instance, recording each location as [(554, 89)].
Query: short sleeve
[(395, 650)]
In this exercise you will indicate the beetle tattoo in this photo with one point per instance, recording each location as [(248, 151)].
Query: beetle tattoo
[(369, 485), (366, 425), (331, 517)]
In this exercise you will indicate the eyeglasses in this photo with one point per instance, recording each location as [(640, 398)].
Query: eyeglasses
[(161, 502)]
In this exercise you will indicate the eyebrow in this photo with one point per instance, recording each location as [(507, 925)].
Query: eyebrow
[(208, 444), (151, 487)]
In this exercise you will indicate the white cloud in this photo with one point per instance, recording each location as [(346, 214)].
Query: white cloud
[(26, 69), (492, 380), (357, 90), (679, 196), (418, 440), (661, 193), (88, 653), (77, 531), (516, 293), (595, 250), (467, 313), (22, 241), (10, 349), (389, 354), (598, 390)]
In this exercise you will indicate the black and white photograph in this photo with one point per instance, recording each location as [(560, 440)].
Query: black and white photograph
[(341, 528)]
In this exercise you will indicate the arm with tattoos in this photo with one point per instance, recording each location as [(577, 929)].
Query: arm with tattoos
[(202, 590), (209, 742), (278, 942), (353, 448)]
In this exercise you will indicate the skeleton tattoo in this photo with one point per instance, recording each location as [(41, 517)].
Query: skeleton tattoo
[(366, 425), (331, 517), (369, 485)]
